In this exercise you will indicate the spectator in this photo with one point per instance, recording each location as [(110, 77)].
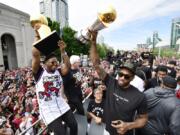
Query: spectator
[(26, 123), (178, 88), (154, 82), (4, 129), (95, 108), (163, 99), (171, 68), (72, 85)]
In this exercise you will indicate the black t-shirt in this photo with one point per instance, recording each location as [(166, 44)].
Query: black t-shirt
[(152, 83), (72, 85), (96, 108), (121, 104)]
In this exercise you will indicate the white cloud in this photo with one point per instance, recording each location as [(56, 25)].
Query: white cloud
[(28, 6), (83, 12)]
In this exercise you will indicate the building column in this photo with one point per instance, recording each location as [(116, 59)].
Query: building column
[(24, 42), (1, 58), (20, 54)]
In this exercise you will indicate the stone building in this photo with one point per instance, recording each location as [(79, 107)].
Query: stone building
[(16, 37)]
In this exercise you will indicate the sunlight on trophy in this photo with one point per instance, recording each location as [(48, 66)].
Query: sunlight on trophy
[(46, 41), (40, 24), (105, 17)]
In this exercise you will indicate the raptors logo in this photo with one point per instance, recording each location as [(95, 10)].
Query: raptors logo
[(51, 86)]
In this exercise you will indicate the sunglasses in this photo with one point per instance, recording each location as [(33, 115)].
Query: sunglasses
[(126, 76)]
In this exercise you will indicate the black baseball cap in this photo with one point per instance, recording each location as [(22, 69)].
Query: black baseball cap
[(130, 66), (169, 82)]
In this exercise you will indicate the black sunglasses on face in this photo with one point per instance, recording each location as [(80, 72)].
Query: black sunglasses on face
[(126, 76)]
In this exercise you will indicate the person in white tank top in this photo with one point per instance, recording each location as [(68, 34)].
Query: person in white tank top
[(53, 107)]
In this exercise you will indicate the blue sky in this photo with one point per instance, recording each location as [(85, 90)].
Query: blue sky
[(136, 19), (138, 31)]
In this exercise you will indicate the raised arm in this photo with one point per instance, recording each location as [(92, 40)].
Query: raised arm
[(64, 58), (95, 57), (35, 56)]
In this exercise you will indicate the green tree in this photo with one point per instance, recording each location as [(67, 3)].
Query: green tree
[(166, 52), (54, 25), (74, 46), (101, 51)]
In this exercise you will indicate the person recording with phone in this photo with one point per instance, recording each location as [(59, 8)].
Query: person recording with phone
[(122, 99)]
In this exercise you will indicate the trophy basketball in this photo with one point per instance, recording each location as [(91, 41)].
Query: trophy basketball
[(105, 17), (47, 40)]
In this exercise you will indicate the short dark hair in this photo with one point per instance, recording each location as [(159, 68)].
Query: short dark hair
[(52, 55), (162, 68), (172, 62)]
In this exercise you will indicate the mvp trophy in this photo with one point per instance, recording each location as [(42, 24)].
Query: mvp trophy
[(104, 19), (46, 40)]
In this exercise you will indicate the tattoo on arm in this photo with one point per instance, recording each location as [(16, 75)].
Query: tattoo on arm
[(96, 61), (101, 72)]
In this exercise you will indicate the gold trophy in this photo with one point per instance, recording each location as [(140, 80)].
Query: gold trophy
[(47, 40), (104, 19), (40, 24)]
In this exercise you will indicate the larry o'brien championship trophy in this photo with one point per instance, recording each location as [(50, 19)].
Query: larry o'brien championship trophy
[(105, 17), (47, 41)]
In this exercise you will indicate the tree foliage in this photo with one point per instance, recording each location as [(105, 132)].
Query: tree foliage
[(102, 50), (54, 25), (74, 46), (166, 52)]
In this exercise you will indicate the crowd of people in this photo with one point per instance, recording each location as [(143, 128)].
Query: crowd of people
[(129, 90)]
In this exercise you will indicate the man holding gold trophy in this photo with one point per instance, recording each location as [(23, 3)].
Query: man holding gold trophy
[(123, 100), (53, 107)]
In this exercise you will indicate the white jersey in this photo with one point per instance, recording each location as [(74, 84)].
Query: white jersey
[(51, 103)]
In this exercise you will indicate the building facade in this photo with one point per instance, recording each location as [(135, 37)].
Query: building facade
[(175, 32), (57, 10), (16, 37)]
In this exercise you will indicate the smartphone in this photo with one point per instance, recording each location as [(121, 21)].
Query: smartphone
[(116, 122)]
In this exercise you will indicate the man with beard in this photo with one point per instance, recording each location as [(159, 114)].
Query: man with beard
[(49, 90), (122, 99)]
